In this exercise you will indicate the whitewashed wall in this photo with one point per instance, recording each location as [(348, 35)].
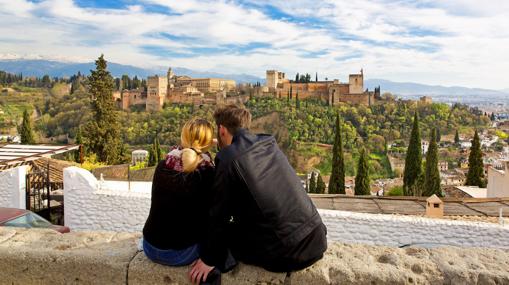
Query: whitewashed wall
[(113, 207), (396, 230), (12, 188), (93, 205)]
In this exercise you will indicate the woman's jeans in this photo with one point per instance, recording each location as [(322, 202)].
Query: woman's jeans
[(171, 257)]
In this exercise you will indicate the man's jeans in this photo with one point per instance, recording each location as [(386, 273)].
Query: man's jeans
[(171, 257)]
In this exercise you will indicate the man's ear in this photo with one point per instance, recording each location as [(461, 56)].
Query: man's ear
[(222, 130)]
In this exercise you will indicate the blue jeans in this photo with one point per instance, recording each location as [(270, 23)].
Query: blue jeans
[(171, 257)]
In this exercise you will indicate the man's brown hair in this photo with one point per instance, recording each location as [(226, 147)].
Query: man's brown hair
[(233, 117)]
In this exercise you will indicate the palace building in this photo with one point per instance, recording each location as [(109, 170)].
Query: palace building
[(175, 89), (332, 92)]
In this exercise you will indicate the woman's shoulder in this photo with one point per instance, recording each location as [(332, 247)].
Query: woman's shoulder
[(173, 160)]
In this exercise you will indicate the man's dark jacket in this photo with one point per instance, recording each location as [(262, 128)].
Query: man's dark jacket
[(260, 209)]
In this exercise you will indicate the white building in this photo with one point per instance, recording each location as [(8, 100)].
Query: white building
[(138, 156), (424, 146), (498, 180)]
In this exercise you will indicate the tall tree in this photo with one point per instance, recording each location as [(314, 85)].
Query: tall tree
[(320, 185), (362, 181), (316, 77), (337, 179), (79, 141), (154, 154), (297, 101), (297, 77), (25, 130), (312, 183), (475, 175), (432, 174), (291, 92), (413, 160), (102, 134), (457, 138)]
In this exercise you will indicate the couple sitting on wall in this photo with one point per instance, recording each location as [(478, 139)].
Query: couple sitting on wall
[(248, 205)]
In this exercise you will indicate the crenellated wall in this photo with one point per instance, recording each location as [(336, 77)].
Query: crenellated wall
[(47, 257), (109, 205)]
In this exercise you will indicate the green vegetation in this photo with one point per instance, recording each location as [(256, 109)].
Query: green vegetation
[(102, 134), (475, 175), (337, 179), (362, 181), (395, 191), (432, 174), (312, 183), (320, 185), (154, 153), (413, 160), (25, 130), (305, 131)]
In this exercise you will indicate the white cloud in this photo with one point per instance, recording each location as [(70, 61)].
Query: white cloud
[(430, 41)]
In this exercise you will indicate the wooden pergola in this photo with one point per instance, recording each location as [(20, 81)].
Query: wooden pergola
[(12, 155)]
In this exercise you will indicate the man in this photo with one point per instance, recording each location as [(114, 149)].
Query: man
[(260, 211)]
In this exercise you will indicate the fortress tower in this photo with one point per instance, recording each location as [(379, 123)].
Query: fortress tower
[(356, 83), (157, 89), (273, 77)]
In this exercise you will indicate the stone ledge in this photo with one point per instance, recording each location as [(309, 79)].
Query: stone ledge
[(47, 257)]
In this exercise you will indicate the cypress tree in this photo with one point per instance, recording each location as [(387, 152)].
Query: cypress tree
[(154, 153), (316, 77), (312, 183), (432, 174), (337, 179), (157, 150), (362, 181), (79, 141), (25, 130), (297, 101), (151, 157), (102, 134), (413, 160), (297, 77), (457, 138), (320, 185), (291, 91), (475, 175)]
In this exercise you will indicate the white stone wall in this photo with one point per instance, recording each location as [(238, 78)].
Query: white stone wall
[(90, 204), (13, 187), (395, 230)]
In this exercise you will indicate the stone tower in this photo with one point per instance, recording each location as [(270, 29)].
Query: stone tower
[(171, 78), (356, 82), (157, 88)]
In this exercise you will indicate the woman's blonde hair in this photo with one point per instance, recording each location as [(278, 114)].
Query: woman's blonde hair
[(196, 138)]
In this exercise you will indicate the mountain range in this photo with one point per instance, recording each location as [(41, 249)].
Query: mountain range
[(40, 67)]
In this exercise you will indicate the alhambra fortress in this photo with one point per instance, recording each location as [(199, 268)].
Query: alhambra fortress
[(173, 88)]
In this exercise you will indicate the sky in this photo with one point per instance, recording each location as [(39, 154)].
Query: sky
[(451, 43)]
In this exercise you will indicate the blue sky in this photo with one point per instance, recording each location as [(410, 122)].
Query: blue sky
[(430, 41)]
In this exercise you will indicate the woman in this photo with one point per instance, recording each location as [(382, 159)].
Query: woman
[(180, 194)]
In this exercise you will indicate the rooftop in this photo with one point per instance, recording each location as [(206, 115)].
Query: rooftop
[(12, 154)]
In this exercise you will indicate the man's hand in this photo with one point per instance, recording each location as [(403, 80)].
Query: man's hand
[(199, 271)]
